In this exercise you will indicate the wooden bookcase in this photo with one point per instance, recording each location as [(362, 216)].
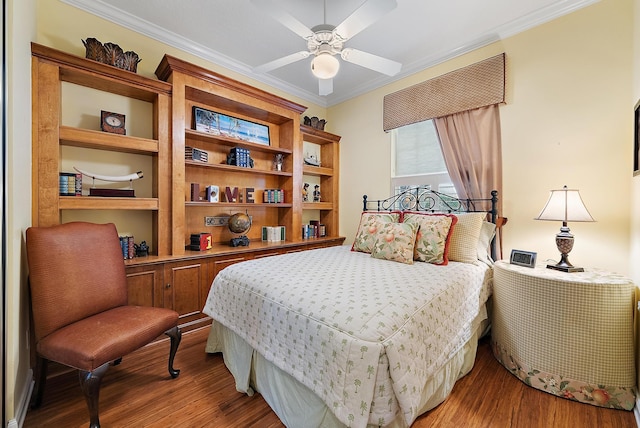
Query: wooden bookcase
[(173, 276), (50, 69), (328, 175)]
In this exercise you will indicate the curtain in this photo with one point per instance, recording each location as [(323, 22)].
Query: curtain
[(476, 85), (472, 150)]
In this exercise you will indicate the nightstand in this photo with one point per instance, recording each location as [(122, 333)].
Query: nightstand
[(568, 334)]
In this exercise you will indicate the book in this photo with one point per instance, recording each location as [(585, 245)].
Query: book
[(274, 233), (192, 153)]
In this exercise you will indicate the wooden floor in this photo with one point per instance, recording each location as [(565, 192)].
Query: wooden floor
[(140, 393)]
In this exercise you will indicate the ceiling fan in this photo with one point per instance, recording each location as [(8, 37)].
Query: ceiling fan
[(324, 41)]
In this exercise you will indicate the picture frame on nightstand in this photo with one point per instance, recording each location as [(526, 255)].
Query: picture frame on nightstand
[(523, 258)]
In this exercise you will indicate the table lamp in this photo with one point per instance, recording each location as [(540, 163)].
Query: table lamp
[(564, 205)]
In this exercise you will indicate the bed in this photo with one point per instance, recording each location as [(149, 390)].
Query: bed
[(371, 334)]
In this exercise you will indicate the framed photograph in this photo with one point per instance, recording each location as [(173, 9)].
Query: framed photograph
[(636, 139), (215, 123)]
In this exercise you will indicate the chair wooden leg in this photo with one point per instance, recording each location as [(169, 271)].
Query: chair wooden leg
[(40, 381), (90, 385), (176, 336)]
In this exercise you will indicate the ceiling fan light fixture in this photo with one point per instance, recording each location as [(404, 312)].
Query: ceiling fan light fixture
[(325, 66)]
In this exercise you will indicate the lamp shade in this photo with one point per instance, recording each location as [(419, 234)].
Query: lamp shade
[(565, 205), (325, 66)]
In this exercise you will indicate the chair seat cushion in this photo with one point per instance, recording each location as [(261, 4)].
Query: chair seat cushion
[(104, 337)]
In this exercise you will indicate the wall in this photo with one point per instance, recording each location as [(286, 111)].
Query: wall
[(634, 254), (20, 31), (566, 121)]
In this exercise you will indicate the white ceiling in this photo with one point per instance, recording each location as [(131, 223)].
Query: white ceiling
[(237, 35)]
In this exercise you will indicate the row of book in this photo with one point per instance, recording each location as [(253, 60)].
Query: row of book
[(314, 230), (273, 233), (70, 184), (273, 196), (240, 157), (128, 248), (192, 153)]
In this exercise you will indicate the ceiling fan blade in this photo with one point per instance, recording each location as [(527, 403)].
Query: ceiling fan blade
[(281, 62), (325, 86), (365, 15), (374, 62), (285, 18)]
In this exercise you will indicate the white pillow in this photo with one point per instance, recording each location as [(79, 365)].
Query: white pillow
[(487, 233)]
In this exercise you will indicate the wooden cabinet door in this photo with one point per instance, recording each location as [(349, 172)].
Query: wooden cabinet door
[(145, 285), (182, 284)]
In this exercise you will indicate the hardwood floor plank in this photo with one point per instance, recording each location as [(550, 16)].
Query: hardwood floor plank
[(140, 393)]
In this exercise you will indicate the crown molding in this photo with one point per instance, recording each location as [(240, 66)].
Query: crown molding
[(131, 22)]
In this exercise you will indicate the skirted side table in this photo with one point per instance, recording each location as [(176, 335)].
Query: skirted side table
[(568, 334)]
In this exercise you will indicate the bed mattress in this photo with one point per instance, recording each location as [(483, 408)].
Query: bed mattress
[(365, 335)]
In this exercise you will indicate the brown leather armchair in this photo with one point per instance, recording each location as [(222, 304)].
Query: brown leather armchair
[(79, 306)]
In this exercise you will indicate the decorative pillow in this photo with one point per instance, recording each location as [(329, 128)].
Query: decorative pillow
[(395, 242), (465, 236), (433, 237), (487, 232), (366, 234)]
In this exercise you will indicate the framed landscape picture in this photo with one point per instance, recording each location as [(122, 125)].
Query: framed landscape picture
[(216, 123)]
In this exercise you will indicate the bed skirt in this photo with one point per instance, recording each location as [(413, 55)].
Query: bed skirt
[(296, 405)]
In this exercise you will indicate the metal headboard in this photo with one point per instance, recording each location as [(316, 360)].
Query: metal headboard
[(424, 199)]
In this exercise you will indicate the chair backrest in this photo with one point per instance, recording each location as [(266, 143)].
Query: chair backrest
[(75, 270)]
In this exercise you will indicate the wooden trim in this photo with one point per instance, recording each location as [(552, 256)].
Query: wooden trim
[(103, 71), (170, 64)]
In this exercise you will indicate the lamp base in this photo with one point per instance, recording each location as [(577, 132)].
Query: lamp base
[(568, 269)]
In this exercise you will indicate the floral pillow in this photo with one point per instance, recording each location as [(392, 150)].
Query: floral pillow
[(433, 237), (368, 228), (395, 242)]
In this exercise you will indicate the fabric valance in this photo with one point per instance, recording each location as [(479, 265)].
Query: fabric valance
[(477, 85)]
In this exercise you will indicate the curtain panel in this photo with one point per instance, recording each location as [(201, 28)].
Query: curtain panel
[(472, 149), (477, 85)]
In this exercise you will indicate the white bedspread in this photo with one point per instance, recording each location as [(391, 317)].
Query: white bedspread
[(364, 334)]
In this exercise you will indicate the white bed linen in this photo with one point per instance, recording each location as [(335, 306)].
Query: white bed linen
[(363, 334)]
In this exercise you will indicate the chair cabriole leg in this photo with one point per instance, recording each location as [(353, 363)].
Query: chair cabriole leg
[(90, 385), (176, 336)]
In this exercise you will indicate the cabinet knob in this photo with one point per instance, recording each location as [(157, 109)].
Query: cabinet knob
[(167, 286)]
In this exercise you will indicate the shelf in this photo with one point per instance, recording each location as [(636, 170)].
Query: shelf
[(317, 206), (237, 168), (236, 204), (318, 136), (317, 171), (191, 134), (90, 139), (99, 203), (96, 75)]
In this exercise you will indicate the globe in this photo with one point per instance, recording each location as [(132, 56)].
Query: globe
[(239, 223)]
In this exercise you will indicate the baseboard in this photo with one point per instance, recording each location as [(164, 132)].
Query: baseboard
[(23, 404)]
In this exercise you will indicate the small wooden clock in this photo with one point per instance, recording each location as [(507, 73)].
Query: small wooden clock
[(112, 122)]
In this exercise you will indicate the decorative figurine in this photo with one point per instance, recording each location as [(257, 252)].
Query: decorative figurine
[(142, 250), (305, 192), (316, 193), (278, 160)]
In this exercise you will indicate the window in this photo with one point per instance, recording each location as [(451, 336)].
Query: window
[(417, 160)]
